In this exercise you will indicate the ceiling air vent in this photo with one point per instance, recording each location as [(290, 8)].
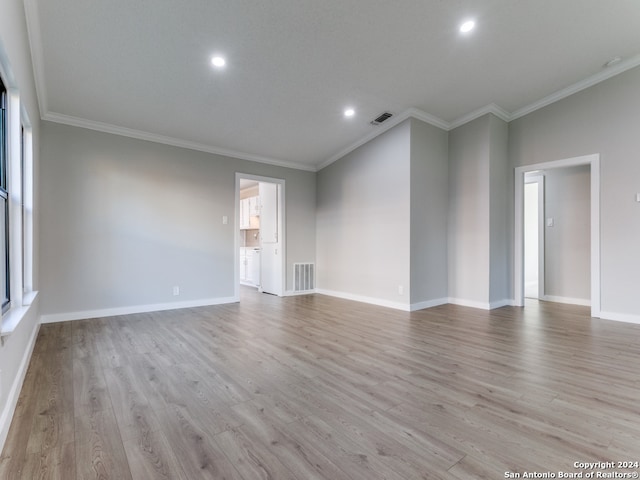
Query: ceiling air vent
[(381, 118)]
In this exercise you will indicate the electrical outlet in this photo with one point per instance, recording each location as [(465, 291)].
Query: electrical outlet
[(400, 290), (176, 291)]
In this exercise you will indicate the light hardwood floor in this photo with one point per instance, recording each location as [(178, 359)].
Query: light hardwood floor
[(314, 387)]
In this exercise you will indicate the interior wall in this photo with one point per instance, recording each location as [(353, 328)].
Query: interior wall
[(124, 220), (469, 212), (363, 220), (16, 66), (601, 119), (499, 293), (568, 241), (429, 213)]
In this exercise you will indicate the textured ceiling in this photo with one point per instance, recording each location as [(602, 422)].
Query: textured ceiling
[(143, 68)]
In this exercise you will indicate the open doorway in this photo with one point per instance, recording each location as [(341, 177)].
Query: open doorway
[(592, 162), (534, 257), (260, 242)]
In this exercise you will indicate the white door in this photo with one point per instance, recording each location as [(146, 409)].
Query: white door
[(270, 239)]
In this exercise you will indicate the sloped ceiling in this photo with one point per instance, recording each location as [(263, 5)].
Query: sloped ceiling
[(143, 68)]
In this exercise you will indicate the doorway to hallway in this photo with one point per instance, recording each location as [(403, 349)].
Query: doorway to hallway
[(592, 233)]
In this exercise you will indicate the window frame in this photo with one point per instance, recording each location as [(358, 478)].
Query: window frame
[(4, 192)]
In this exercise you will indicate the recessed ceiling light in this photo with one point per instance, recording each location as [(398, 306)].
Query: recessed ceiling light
[(218, 61), (349, 112), (467, 26)]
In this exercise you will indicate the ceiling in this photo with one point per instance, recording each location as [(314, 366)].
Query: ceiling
[(143, 68)]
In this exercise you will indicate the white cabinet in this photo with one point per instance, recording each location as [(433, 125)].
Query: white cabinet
[(250, 265), (244, 214), (254, 206), (249, 211)]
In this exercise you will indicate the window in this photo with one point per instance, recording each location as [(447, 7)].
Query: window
[(22, 204), (4, 202)]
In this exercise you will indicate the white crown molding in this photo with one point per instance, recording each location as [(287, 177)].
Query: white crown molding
[(175, 142), (388, 125), (578, 86), (491, 108), (428, 118), (37, 56), (379, 130)]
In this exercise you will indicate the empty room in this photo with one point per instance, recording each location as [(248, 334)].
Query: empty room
[(319, 240)]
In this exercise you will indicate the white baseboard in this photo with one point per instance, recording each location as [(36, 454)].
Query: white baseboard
[(364, 299), (571, 301), (292, 293), (482, 305), (506, 302), (470, 303), (428, 304), (16, 387), (110, 312), (620, 317)]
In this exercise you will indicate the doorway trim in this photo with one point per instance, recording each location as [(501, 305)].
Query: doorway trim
[(538, 179), (236, 227), (518, 249)]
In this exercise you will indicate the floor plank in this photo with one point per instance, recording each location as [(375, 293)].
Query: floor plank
[(314, 387)]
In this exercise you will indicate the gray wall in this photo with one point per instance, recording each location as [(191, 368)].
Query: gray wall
[(124, 220), (603, 119), (498, 212), (363, 219), (469, 211), (568, 242), (15, 58), (429, 212)]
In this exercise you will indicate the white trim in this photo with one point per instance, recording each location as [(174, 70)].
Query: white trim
[(499, 112), (505, 302), (428, 304), (568, 300), (379, 130), (470, 303), (37, 57), (172, 141), (14, 187), (577, 87), (427, 118), (388, 125), (13, 317), (32, 18), (364, 299), (157, 307), (518, 260), (620, 317), (16, 386), (293, 293), (539, 180)]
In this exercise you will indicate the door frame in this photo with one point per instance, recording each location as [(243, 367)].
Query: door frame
[(281, 228), (539, 180), (518, 280)]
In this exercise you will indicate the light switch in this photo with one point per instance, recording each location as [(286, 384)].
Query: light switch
[(225, 220), (637, 197), (549, 222)]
